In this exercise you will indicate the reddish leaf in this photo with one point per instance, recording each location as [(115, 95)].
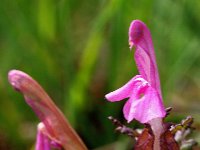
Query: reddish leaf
[(146, 140), (167, 141)]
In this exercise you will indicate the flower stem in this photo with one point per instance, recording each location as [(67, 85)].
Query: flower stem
[(157, 128)]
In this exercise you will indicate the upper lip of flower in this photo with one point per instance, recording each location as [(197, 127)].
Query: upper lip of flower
[(57, 128)]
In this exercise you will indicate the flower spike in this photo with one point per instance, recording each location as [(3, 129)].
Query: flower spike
[(55, 126)]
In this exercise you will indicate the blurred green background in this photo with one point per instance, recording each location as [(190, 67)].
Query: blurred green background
[(78, 51)]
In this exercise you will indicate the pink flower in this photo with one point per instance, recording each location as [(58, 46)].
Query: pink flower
[(144, 93), (54, 129)]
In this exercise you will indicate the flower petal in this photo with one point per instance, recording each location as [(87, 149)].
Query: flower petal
[(144, 108), (58, 128), (42, 142), (140, 37), (126, 90)]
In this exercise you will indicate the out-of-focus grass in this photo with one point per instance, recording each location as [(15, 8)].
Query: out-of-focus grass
[(78, 51)]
